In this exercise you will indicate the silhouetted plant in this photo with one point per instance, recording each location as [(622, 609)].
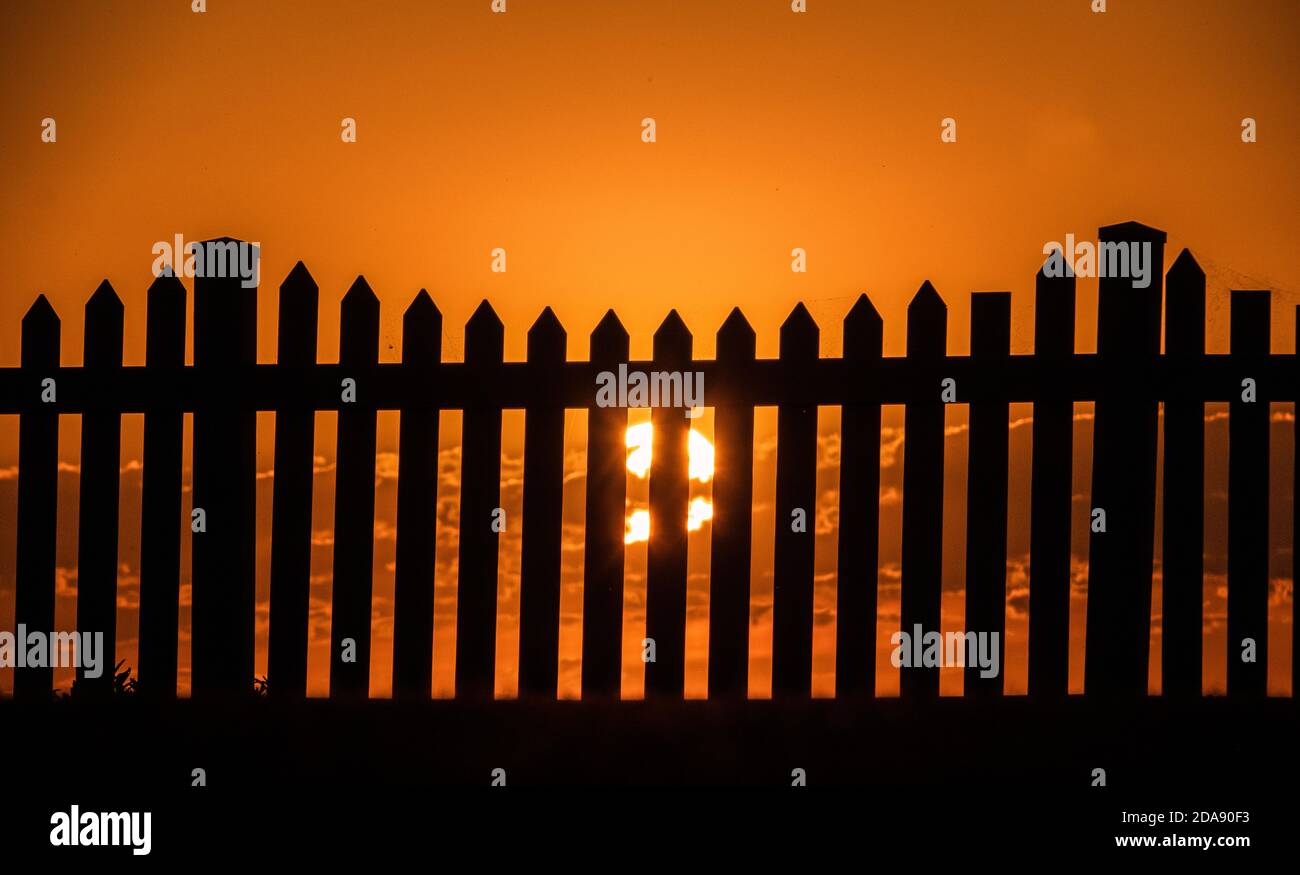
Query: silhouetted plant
[(123, 683), (261, 687)]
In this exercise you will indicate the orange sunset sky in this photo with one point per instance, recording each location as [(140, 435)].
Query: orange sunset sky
[(522, 130)]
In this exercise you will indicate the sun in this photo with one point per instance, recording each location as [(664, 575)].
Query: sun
[(699, 454)]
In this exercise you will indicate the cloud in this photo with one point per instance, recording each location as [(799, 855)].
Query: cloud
[(385, 466), (891, 440)]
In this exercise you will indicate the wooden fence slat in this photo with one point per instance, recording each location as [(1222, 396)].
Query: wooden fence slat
[(1248, 528), (160, 493), (38, 487), (986, 492), (796, 519), (1183, 533), (665, 676), (733, 507), (354, 500), (922, 552), (1120, 559), (295, 429), (1051, 494), (480, 497), (859, 534), (417, 510), (543, 511), (101, 449), (225, 470), (602, 572)]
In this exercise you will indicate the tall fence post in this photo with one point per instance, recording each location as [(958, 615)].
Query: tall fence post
[(986, 490), (1122, 545), (417, 509), (602, 567), (354, 496), (38, 489), (733, 508), (295, 428), (922, 567), (665, 675), (101, 449), (480, 499), (1051, 491), (160, 490), (1183, 535), (539, 587), (859, 534), (1248, 415), (225, 470), (796, 512)]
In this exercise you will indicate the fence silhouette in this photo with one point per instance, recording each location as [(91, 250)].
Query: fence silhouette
[(1127, 378)]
